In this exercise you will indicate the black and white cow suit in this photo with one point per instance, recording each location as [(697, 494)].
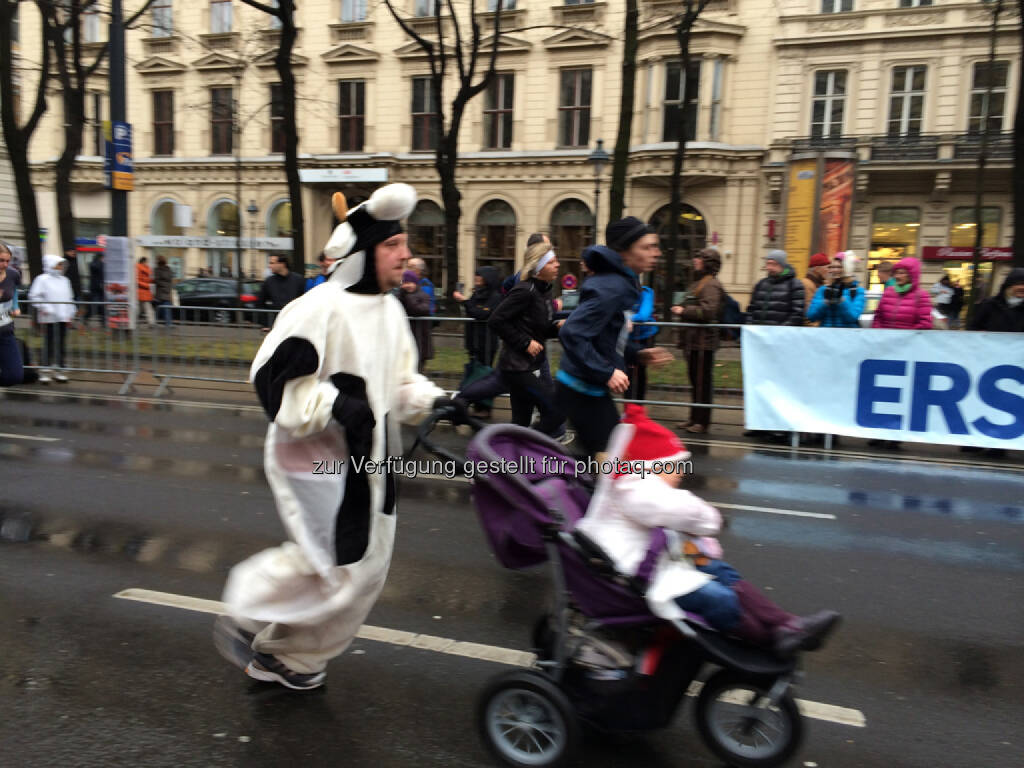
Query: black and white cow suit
[(336, 375)]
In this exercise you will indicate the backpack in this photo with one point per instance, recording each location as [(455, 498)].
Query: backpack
[(731, 315)]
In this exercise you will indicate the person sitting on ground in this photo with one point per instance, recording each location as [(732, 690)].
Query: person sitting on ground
[(689, 576), (840, 302)]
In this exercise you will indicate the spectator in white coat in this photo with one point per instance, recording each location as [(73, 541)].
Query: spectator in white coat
[(53, 299)]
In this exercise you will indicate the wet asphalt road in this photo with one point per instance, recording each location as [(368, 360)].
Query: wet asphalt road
[(924, 560)]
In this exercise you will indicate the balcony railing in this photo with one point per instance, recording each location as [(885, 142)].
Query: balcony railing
[(968, 146), (824, 143), (910, 147)]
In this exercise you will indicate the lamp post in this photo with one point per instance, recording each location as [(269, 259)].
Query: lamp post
[(599, 159), (253, 210)]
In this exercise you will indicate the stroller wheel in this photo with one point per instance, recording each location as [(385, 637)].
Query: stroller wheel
[(526, 720), (739, 726)]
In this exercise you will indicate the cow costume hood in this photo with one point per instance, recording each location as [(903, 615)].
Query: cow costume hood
[(355, 239)]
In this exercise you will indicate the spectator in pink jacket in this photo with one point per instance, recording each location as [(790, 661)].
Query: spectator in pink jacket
[(904, 304)]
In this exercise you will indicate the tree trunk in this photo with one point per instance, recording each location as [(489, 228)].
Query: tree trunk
[(1018, 157), (678, 162), (452, 199), (283, 64), (74, 120), (620, 158), (27, 203)]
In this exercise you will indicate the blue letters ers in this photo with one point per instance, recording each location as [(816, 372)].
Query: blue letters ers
[(946, 400)]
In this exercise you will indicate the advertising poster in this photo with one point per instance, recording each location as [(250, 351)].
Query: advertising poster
[(800, 212), (836, 210), (119, 283), (117, 160)]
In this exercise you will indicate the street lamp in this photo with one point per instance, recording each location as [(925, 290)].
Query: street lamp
[(253, 210), (599, 159)]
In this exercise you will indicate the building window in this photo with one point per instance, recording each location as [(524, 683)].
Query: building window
[(277, 135), (94, 117), (906, 104), (894, 233), (424, 8), (693, 235), (681, 123), (986, 115), (163, 122), (426, 239), (222, 115), (163, 22), (273, 20), (578, 2), (496, 237), (574, 108), (498, 112), (91, 25), (716, 100), (353, 10), (964, 228), (914, 3), (829, 104), (836, 6), (351, 114), (161, 222), (424, 112), (506, 5), (220, 16), (572, 228), (279, 219)]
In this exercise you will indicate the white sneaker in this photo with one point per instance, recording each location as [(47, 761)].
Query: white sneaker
[(44, 377), (61, 378)]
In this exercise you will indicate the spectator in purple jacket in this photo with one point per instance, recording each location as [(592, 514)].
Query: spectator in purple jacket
[(904, 304)]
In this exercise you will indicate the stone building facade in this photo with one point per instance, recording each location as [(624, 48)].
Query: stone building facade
[(199, 71)]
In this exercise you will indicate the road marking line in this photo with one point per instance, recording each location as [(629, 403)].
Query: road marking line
[(722, 504), (813, 709), (772, 510), (14, 436)]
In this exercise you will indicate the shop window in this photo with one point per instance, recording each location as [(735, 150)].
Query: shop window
[(222, 221), (426, 240), (572, 224), (496, 237), (894, 234), (693, 235), (963, 229)]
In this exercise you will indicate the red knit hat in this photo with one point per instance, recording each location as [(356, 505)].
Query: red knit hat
[(819, 260), (651, 442)]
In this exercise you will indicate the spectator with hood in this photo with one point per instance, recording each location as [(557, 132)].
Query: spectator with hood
[(904, 304), (777, 299), (595, 348), (1005, 311), (481, 342)]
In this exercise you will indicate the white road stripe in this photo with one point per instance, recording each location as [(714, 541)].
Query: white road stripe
[(772, 510), (13, 436), (813, 709), (721, 504)]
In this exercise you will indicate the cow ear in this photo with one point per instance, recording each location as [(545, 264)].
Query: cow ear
[(340, 206)]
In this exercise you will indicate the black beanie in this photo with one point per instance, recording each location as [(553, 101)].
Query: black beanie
[(621, 234)]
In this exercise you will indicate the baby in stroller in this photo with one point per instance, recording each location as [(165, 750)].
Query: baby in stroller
[(689, 576)]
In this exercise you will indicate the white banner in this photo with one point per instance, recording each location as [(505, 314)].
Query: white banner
[(952, 387), (215, 241)]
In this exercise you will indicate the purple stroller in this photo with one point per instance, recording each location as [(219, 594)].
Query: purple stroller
[(602, 657)]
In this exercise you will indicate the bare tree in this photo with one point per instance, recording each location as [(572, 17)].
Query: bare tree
[(683, 28), (284, 11), (467, 57), (62, 24), (620, 156), (18, 135)]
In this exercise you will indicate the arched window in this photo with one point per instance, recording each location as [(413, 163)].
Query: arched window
[(222, 221), (161, 222), (279, 219), (571, 231), (693, 235), (426, 240), (496, 237)]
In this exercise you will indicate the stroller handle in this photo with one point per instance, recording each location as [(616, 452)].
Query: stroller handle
[(427, 426)]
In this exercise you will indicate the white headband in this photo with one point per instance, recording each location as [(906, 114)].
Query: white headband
[(544, 261)]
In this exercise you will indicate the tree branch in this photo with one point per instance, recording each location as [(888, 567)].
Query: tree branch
[(268, 9)]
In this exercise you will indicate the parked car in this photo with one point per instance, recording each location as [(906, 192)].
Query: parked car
[(213, 299)]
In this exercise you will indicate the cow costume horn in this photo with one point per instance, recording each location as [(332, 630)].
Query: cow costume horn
[(353, 241)]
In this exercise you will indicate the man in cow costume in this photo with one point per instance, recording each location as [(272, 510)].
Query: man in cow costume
[(336, 375)]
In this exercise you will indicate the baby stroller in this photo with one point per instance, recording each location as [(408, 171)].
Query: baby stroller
[(603, 658)]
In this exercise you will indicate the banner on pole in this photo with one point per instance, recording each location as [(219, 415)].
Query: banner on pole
[(947, 387), (836, 209), (117, 156), (803, 183), (119, 283)]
